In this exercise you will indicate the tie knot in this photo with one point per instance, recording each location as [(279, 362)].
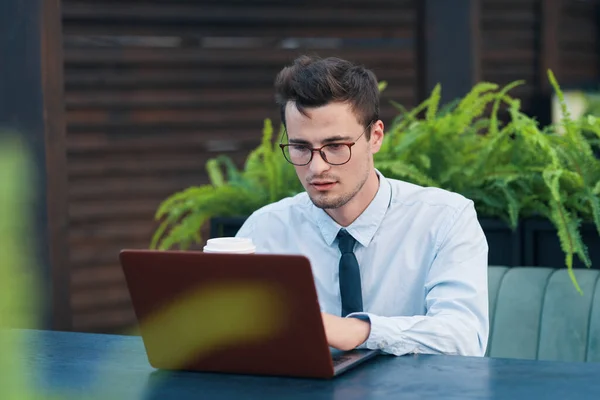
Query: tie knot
[(346, 242)]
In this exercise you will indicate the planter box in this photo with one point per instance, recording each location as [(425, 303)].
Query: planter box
[(505, 245), (542, 247)]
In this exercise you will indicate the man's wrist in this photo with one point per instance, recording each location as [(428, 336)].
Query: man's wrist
[(360, 328)]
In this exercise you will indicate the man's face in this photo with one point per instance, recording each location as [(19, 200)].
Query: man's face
[(332, 186)]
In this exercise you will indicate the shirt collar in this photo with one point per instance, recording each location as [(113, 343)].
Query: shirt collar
[(363, 229)]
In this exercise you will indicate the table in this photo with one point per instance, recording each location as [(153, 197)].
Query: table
[(116, 367)]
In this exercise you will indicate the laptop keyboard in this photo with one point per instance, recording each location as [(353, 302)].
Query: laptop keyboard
[(338, 359)]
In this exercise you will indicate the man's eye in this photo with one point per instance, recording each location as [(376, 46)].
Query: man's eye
[(298, 148)]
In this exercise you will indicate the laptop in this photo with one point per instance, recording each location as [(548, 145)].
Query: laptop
[(252, 314)]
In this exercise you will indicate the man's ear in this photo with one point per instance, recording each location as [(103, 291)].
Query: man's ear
[(376, 136)]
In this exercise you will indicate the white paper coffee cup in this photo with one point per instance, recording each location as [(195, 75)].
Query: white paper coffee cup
[(230, 245)]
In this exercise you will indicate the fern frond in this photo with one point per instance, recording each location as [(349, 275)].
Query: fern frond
[(214, 172), (433, 103), (594, 203), (596, 189), (181, 197), (411, 173), (501, 96), (425, 161), (569, 237), (560, 95), (475, 93), (158, 234), (232, 171), (182, 232), (399, 107), (514, 205)]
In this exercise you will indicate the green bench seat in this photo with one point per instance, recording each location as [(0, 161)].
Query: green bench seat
[(536, 313)]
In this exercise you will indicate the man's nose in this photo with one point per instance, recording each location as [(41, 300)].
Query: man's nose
[(317, 164)]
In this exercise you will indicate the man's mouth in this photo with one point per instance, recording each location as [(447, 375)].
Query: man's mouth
[(323, 185)]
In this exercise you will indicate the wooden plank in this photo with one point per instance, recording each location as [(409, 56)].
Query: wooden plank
[(225, 58), (98, 254), (190, 98), (122, 121), (142, 165), (200, 33), (549, 56), (513, 18), (114, 295), (140, 122), (512, 56), (512, 71), (583, 74), (173, 78), (215, 14), (115, 320), (167, 98), (125, 187), (451, 60), (174, 117), (496, 5), (112, 230), (170, 78), (116, 210), (31, 106), (103, 275), (263, 3), (576, 57), (203, 140), (56, 162), (578, 43)]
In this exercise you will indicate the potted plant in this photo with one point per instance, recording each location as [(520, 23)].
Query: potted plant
[(514, 171)]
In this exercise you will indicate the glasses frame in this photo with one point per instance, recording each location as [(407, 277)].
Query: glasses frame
[(320, 149)]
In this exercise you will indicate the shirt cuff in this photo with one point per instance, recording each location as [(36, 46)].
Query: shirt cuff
[(374, 341)]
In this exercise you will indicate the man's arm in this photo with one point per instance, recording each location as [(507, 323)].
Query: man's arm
[(456, 321), (345, 333)]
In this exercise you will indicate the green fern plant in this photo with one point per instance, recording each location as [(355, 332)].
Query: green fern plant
[(511, 170), (265, 178)]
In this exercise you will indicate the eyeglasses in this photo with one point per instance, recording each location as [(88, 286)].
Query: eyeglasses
[(333, 153)]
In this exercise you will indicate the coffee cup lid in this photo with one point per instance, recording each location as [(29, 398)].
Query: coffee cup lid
[(229, 245)]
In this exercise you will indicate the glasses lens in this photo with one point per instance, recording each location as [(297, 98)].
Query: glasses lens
[(297, 154), (336, 153)]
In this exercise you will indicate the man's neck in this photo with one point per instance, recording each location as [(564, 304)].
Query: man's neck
[(354, 208)]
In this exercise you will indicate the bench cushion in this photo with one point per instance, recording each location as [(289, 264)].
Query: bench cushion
[(536, 313)]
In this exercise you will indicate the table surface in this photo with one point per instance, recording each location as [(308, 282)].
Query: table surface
[(116, 367)]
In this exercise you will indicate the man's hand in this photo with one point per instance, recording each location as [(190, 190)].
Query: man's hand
[(345, 333)]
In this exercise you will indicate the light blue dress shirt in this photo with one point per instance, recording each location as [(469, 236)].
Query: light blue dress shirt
[(423, 265)]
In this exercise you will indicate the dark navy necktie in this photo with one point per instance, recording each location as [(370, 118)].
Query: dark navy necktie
[(350, 288)]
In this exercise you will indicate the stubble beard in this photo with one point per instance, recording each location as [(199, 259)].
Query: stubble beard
[(327, 201)]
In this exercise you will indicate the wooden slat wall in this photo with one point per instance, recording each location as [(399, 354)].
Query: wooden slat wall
[(578, 45), (520, 39), (154, 88), (509, 44)]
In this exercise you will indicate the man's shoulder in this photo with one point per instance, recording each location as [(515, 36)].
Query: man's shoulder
[(406, 193)]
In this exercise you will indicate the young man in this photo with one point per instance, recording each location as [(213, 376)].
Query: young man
[(398, 267)]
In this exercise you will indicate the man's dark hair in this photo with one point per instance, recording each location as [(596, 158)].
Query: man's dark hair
[(314, 82)]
